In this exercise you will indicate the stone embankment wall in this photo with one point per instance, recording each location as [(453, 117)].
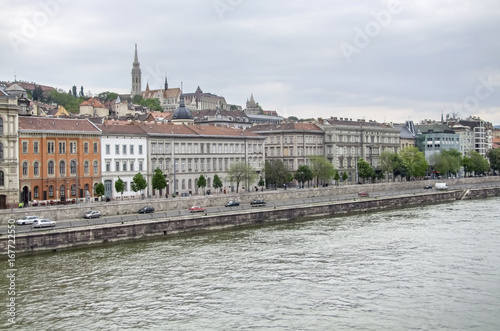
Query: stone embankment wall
[(55, 240), (65, 212)]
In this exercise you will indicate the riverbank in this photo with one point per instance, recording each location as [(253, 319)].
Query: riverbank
[(60, 239)]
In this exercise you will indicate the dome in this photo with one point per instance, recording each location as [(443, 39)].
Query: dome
[(182, 113)]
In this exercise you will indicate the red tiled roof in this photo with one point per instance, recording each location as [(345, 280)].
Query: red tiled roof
[(41, 124), (93, 102)]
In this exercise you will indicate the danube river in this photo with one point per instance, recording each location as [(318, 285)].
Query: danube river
[(430, 268)]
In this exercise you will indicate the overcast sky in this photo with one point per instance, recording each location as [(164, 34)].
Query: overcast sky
[(387, 61)]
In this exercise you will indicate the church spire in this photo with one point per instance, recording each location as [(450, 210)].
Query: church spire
[(166, 83), (136, 75)]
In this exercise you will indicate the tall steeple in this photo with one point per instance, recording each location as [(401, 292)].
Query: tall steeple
[(136, 75), (166, 83)]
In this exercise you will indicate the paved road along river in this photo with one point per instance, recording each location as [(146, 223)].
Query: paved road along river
[(428, 268)]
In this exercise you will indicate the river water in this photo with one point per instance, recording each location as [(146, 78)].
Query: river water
[(430, 268)]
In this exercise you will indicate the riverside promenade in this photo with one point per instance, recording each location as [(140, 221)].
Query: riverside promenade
[(400, 195)]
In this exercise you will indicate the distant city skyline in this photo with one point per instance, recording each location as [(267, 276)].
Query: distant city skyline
[(387, 61)]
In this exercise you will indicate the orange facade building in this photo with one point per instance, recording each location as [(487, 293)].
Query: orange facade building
[(59, 159)]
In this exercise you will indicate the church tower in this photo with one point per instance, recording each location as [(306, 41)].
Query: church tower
[(136, 76)]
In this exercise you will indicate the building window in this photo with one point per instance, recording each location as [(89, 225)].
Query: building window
[(86, 188), (96, 168), (108, 149), (117, 166), (131, 149), (35, 147), (50, 168), (25, 168), (131, 165), (72, 147), (86, 148), (96, 148), (124, 149), (36, 192), (86, 167), (62, 191), (140, 149), (1, 128), (73, 167), (25, 147), (153, 148), (73, 190), (1, 151), (62, 168), (108, 167), (62, 147), (124, 166), (2, 178), (117, 149), (51, 191), (140, 165), (36, 168), (50, 147)]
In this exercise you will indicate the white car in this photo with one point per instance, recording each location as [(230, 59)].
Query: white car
[(92, 214), (27, 220), (43, 223)]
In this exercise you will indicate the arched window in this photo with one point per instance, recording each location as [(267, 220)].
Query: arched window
[(86, 188), (51, 188), (96, 168), (36, 168), (2, 183), (35, 192), (1, 151), (86, 167), (25, 168), (50, 168), (62, 191), (62, 168), (1, 126), (73, 167)]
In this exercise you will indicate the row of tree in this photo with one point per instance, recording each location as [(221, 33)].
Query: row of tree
[(409, 163)]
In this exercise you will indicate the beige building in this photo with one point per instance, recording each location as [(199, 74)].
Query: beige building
[(292, 143), (9, 151), (184, 152), (346, 141), (93, 108)]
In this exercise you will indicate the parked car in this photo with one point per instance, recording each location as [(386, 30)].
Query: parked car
[(92, 214), (232, 203), (427, 187), (257, 202), (43, 223), (146, 210), (363, 194), (27, 220), (196, 209)]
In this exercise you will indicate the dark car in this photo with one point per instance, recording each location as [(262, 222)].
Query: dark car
[(232, 203), (257, 202), (427, 187), (363, 194), (146, 210)]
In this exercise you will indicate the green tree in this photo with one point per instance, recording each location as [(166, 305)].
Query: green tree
[(241, 172), (276, 173), (321, 168), (365, 170), (414, 162), (494, 157), (158, 181), (73, 89), (261, 182), (217, 184), (99, 190), (152, 104), (81, 92), (345, 176), (467, 164), (68, 101), (447, 162), (120, 186), (138, 183), (336, 177), (202, 182), (303, 174), (107, 96), (37, 94), (392, 163), (478, 163)]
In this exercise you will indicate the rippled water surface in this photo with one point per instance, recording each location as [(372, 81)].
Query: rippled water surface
[(431, 268)]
